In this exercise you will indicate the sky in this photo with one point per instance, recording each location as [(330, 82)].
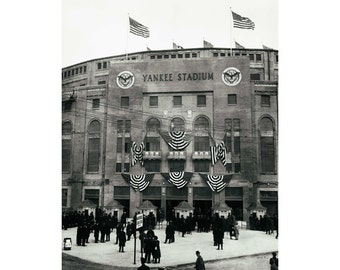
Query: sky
[(93, 29)]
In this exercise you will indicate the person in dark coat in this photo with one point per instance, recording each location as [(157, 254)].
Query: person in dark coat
[(156, 253), (148, 247), (102, 232), (274, 262), (96, 232), (199, 262), (118, 229), (78, 237), (128, 231), (219, 238), (121, 240), (170, 233), (107, 231)]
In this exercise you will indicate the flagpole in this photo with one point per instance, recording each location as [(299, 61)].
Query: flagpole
[(127, 38), (231, 29)]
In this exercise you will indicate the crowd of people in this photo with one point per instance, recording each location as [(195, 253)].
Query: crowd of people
[(265, 223), (102, 225)]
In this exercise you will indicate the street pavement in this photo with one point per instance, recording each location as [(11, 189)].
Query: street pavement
[(181, 253)]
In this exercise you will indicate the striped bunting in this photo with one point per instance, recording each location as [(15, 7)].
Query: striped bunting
[(138, 181), (242, 22), (137, 154), (178, 179), (217, 182), (138, 29), (219, 152), (178, 140)]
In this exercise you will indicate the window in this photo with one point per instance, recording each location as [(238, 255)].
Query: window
[(215, 54), (177, 100), (118, 167), (66, 155), (258, 57), (152, 165), (153, 101), (265, 100), (176, 165), (127, 126), (99, 65), (152, 144), (201, 100), (67, 106), (81, 70), (201, 123), (177, 124), (152, 57), (267, 146), (236, 144), (93, 155), (101, 82), (194, 55), (64, 197), (120, 124), (173, 56), (67, 128), (180, 56), (124, 102), (255, 77), (237, 167), (153, 125), (76, 70), (127, 145), (92, 195), (277, 58), (201, 165), (93, 147), (119, 145), (187, 55), (84, 69), (126, 167), (68, 73), (104, 64), (232, 100), (201, 143), (72, 71), (95, 103)]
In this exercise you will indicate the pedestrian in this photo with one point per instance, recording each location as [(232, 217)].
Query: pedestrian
[(169, 233), (96, 232), (128, 231), (118, 229), (219, 238), (156, 253), (122, 240), (148, 248), (274, 262), (143, 266), (199, 262), (102, 232)]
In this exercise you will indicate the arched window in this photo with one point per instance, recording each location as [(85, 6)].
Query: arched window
[(177, 124), (66, 128), (93, 146), (153, 124), (201, 123), (267, 146)]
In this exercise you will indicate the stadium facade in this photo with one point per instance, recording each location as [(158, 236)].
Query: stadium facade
[(197, 125)]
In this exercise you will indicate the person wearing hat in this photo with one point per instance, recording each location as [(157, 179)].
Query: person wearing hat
[(274, 262), (199, 262)]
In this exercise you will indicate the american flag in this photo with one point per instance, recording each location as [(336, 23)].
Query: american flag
[(138, 29), (242, 22)]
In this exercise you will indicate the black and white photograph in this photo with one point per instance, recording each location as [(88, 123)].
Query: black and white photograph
[(170, 134), (145, 134)]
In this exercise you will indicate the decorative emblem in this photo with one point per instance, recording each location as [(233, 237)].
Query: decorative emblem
[(125, 79), (231, 76)]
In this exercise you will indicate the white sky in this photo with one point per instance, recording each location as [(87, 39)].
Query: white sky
[(93, 29)]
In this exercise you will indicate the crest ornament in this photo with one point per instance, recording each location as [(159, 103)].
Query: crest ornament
[(231, 76), (125, 79)]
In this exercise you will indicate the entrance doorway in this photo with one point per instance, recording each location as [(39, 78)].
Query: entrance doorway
[(237, 209), (202, 207), (126, 204), (271, 207), (170, 211)]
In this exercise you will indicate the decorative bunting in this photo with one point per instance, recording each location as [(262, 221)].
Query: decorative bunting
[(138, 181), (217, 182), (220, 152), (178, 179), (178, 140), (137, 154)]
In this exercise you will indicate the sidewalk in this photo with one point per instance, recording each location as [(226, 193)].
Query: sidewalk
[(179, 253)]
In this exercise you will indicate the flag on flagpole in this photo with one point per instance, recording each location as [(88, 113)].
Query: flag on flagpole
[(238, 45), (242, 22), (176, 47), (207, 44), (138, 29)]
